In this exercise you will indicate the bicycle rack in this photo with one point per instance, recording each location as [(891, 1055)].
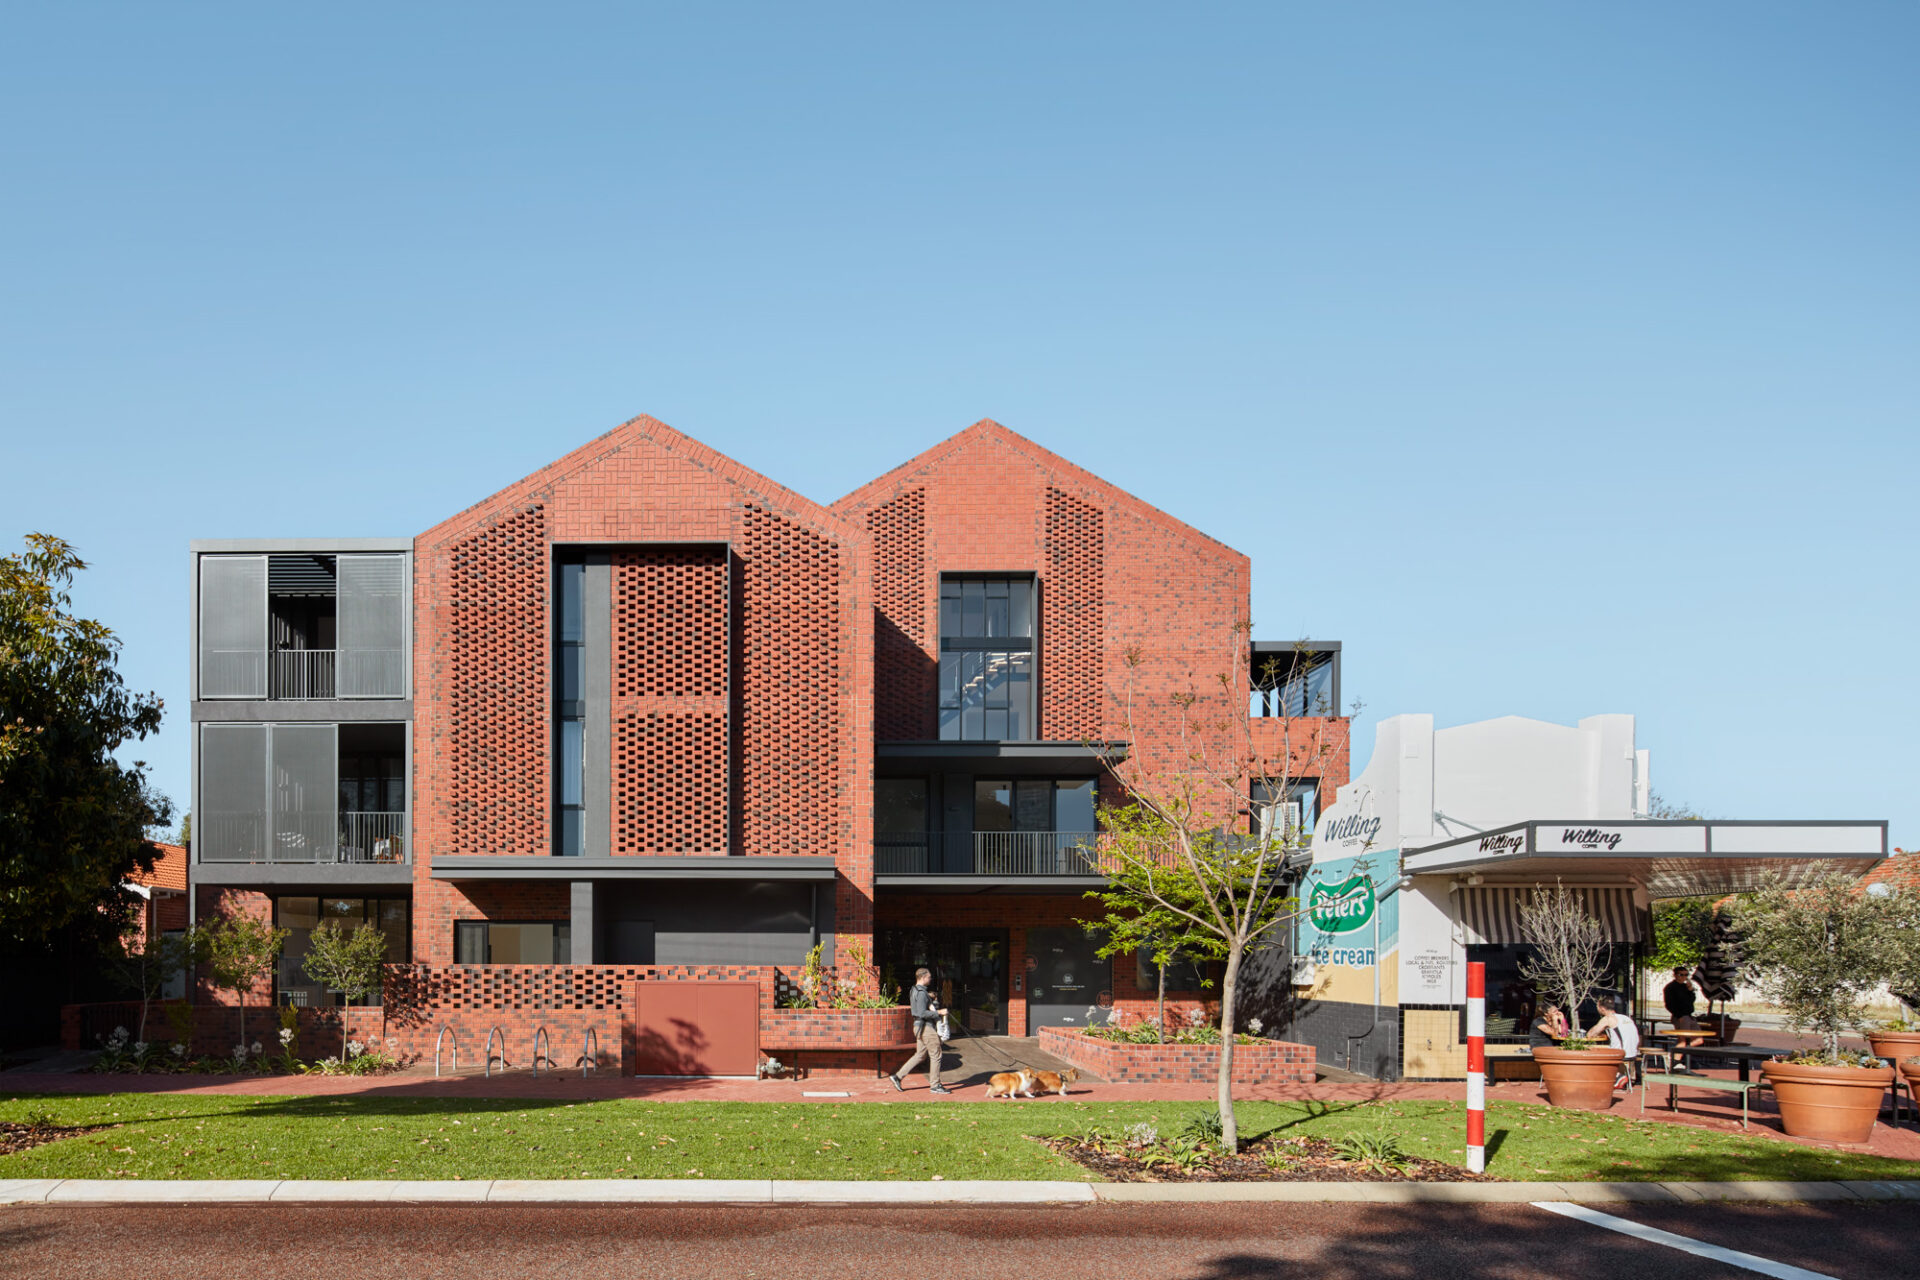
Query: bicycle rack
[(541, 1037), (504, 1064), (445, 1031), (589, 1058)]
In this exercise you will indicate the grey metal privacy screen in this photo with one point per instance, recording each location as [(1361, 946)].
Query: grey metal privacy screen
[(232, 825), (233, 626), (372, 626), (306, 793)]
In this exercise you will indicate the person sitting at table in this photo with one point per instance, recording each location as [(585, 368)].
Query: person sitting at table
[(1678, 997), (1550, 1030), (1622, 1034)]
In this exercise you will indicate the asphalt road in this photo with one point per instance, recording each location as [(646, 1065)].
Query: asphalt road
[(1107, 1241)]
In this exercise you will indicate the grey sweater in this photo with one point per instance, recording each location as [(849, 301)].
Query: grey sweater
[(923, 1007)]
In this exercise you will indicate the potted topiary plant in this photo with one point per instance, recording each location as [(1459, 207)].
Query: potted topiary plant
[(1568, 968), (1898, 1040), (1817, 951)]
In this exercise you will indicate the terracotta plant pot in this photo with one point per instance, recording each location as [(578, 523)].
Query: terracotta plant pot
[(1894, 1045), (1828, 1104), (1910, 1068), (1581, 1079)]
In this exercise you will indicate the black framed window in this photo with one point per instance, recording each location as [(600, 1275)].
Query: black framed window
[(300, 915), (1299, 807), (570, 708), (512, 942), (987, 659)]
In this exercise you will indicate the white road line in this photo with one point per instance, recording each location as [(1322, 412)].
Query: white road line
[(1653, 1235)]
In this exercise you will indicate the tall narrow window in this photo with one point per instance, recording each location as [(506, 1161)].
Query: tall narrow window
[(570, 708), (986, 659)]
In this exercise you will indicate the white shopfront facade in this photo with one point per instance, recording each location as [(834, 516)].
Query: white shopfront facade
[(1422, 862)]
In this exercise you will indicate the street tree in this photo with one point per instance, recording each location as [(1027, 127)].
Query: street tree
[(348, 961), (1196, 851), (242, 951), (73, 817), (1569, 964)]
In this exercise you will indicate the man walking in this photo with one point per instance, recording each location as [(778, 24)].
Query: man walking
[(926, 1033)]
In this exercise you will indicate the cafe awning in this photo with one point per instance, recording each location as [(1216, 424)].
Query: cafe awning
[(1491, 916), (1671, 859)]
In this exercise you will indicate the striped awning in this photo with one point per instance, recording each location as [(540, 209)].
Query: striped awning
[(1491, 917)]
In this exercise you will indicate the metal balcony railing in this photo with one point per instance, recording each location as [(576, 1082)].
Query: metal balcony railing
[(373, 837), (301, 837), (994, 853), (302, 674)]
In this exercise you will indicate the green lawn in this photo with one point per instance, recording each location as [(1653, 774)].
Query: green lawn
[(179, 1136)]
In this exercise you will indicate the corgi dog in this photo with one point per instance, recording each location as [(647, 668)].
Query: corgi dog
[(1056, 1081), (1007, 1083)]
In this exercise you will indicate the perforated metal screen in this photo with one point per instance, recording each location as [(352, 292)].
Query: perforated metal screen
[(372, 626), (232, 824), (233, 626), (306, 793)]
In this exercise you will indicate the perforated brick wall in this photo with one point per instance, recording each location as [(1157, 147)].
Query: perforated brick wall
[(904, 674), (497, 728), (670, 622), (1074, 632), (671, 673), (741, 683), (789, 731)]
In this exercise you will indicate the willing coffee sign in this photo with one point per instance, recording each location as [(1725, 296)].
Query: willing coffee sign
[(1343, 907)]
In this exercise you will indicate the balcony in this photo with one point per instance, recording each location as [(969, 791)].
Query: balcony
[(307, 839), (994, 853)]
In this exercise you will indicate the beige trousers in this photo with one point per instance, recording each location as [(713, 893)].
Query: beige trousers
[(930, 1051)]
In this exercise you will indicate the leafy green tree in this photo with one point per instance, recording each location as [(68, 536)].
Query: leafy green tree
[(184, 837), (347, 962), (73, 818), (159, 957), (1682, 931), (1820, 949), (241, 950), (1172, 852), (1164, 935)]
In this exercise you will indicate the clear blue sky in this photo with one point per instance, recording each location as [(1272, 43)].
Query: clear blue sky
[(1558, 359)]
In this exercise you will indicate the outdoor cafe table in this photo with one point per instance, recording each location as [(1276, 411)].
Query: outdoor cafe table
[(1743, 1054)]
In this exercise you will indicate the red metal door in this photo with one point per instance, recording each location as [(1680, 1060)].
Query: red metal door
[(696, 1028)]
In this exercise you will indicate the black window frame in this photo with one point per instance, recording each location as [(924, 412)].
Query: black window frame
[(569, 714), (950, 702), (562, 929)]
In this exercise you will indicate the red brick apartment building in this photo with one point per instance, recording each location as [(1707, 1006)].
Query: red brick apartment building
[(648, 717)]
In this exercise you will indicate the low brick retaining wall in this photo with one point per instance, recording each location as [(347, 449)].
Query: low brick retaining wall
[(567, 1000), (837, 1041), (1269, 1062)]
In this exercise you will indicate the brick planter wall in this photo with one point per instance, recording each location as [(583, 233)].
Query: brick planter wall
[(1273, 1062), (829, 1042)]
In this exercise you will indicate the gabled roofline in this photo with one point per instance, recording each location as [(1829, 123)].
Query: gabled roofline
[(886, 486), (641, 428)]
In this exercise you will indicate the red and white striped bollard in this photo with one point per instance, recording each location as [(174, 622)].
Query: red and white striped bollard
[(1477, 1067)]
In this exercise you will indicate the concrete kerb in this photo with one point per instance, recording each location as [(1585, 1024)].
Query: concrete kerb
[(757, 1191)]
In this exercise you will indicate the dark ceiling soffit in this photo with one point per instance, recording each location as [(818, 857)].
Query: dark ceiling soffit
[(633, 868), (976, 884), (944, 750), (1291, 646)]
